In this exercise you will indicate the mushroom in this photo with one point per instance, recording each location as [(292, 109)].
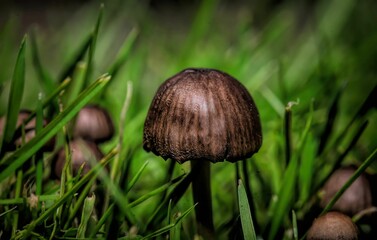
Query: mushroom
[(355, 199), (333, 226), (93, 123), (83, 154), (29, 129), (202, 115)]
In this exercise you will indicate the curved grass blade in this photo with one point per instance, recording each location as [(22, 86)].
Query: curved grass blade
[(92, 46), (68, 70), (294, 227), (170, 226), (246, 218), (124, 52), (20, 156), (86, 214), (43, 76), (15, 95)]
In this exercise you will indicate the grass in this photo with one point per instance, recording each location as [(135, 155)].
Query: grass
[(313, 79)]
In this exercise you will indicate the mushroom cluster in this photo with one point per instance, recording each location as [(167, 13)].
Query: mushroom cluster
[(92, 126), (202, 116)]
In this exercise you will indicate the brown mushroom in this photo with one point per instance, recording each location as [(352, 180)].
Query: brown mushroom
[(94, 123), (202, 115), (29, 129), (333, 226), (355, 199), (83, 154)]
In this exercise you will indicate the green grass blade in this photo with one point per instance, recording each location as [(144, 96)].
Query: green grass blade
[(156, 191), (245, 214), (92, 46), (136, 177), (76, 85), (294, 225), (49, 100), (170, 226), (124, 52), (43, 76), (86, 214), (15, 95), (39, 154), (20, 156), (80, 53)]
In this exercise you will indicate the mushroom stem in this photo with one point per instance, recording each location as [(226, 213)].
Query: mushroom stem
[(201, 190)]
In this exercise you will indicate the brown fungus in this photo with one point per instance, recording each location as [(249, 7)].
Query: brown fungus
[(83, 154), (202, 115), (333, 226), (355, 199), (29, 131), (94, 123)]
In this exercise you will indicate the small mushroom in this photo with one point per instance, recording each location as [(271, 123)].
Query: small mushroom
[(94, 123), (355, 199), (333, 226), (202, 115), (29, 129), (83, 153)]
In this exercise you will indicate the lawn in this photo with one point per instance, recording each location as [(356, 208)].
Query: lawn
[(311, 69)]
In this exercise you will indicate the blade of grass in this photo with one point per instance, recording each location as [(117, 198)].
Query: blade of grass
[(174, 196), (124, 52), (156, 191), (92, 46), (47, 102), (15, 96), (67, 72), (287, 190), (294, 225), (20, 156), (86, 214), (43, 76), (245, 214), (39, 154), (76, 85), (170, 226)]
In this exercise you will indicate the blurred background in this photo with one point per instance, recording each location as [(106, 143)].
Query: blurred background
[(311, 54)]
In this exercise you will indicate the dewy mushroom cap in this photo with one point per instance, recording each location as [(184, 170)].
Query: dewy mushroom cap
[(202, 114)]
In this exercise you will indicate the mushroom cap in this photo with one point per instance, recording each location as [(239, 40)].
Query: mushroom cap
[(202, 114), (29, 129), (355, 199), (333, 226), (94, 123), (82, 153)]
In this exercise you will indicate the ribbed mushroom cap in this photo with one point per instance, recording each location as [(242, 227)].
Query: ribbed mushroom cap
[(333, 226), (202, 114)]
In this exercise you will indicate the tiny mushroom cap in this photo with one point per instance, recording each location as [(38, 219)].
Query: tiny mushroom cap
[(355, 199), (82, 153), (202, 114), (29, 131), (94, 123), (333, 226)]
